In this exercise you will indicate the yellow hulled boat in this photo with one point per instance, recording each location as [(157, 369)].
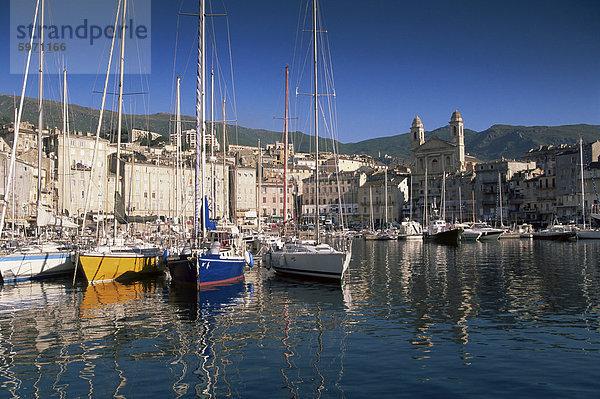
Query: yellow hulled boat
[(118, 264)]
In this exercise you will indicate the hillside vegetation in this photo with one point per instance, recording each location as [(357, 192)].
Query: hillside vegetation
[(495, 142)]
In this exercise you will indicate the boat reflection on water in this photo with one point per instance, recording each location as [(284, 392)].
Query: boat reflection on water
[(314, 318), (202, 316), (205, 301), (104, 297)]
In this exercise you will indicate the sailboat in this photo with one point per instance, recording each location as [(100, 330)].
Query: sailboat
[(409, 228), (437, 228), (211, 257), (42, 259), (311, 259), (116, 260)]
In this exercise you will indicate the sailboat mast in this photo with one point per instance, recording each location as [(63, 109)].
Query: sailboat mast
[(386, 197), (178, 144), (40, 116), (64, 144), (500, 199), (460, 215), (120, 118), (213, 188), (200, 126), (582, 181), (224, 152), (316, 112), (285, 149), (410, 198), (371, 207), (259, 178), (425, 205)]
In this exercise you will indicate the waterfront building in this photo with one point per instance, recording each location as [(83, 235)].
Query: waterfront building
[(568, 179), (371, 195), (338, 194), (271, 199), (460, 197), (243, 194), (74, 171), (490, 179), (22, 199), (521, 202)]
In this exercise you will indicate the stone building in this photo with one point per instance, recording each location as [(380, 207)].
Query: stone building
[(333, 188), (491, 187), (434, 158), (74, 171), (22, 197), (371, 197), (244, 194), (271, 199)]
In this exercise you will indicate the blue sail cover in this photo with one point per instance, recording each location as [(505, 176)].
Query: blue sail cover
[(211, 226)]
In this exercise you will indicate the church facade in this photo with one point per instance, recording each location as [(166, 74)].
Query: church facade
[(432, 159)]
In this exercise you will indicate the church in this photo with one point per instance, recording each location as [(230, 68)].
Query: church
[(434, 158)]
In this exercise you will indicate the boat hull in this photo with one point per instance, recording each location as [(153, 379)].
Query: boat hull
[(449, 237), (330, 266), (490, 236), (206, 270), (25, 266), (99, 267), (588, 234), (552, 236)]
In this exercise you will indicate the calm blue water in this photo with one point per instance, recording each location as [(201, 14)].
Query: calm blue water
[(511, 318)]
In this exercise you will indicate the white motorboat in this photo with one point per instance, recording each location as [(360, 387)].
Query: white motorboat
[(487, 233), (308, 259)]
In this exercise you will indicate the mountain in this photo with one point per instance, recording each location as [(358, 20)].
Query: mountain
[(495, 142)]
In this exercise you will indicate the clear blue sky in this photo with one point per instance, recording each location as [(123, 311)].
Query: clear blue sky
[(512, 62)]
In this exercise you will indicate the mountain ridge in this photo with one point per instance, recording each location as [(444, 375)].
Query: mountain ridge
[(497, 141)]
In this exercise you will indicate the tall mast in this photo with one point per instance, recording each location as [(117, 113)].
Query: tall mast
[(285, 149), (64, 144), (120, 118), (386, 197), (200, 126), (213, 188), (425, 204), (582, 181), (178, 144), (316, 111), (13, 153), (371, 207), (259, 178), (224, 153), (40, 116), (500, 198), (460, 215), (410, 198)]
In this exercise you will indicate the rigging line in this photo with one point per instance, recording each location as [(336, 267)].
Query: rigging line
[(174, 65), (146, 104), (234, 102)]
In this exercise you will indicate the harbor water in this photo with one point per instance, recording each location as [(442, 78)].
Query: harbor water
[(514, 318)]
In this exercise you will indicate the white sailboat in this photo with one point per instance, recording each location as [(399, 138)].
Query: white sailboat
[(410, 229), (43, 259), (311, 259)]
